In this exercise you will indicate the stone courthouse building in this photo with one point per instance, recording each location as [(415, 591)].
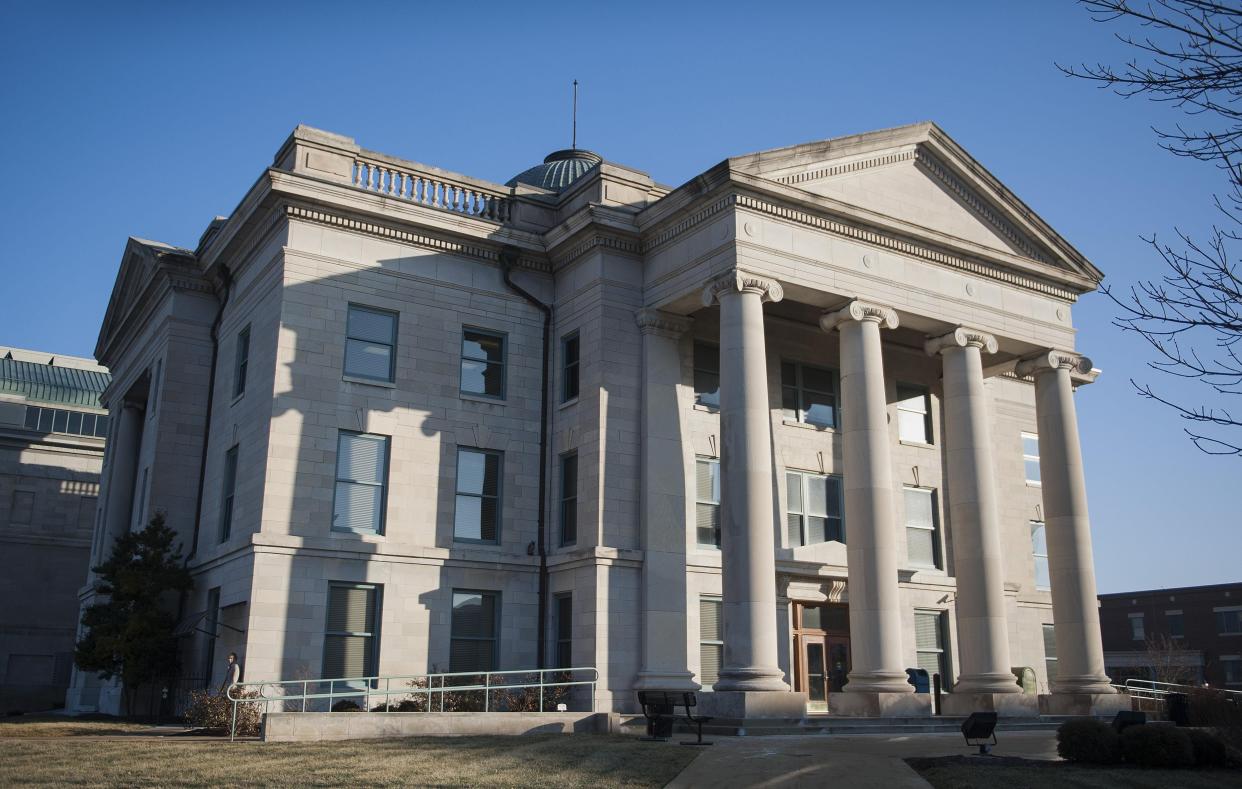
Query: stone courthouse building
[(784, 431)]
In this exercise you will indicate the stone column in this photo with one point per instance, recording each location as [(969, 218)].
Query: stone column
[(747, 526), (124, 470), (983, 636), (877, 681), (1080, 677), (665, 662)]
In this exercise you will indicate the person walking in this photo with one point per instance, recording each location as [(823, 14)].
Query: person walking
[(232, 674)]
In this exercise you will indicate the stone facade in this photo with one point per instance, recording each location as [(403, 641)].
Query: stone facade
[(51, 449), (864, 257)]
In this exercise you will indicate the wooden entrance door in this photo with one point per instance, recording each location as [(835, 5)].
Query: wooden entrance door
[(824, 667)]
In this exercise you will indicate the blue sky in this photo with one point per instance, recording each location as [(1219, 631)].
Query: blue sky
[(147, 119)]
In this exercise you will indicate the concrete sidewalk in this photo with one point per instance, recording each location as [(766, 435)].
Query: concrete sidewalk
[(862, 761)]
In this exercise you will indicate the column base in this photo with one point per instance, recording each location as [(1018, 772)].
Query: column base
[(751, 705), (752, 679), (891, 682), (1083, 703), (666, 680), (869, 704), (996, 683), (1005, 705)]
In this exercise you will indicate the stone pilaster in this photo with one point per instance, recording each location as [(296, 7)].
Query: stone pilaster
[(665, 663), (747, 539), (877, 678), (1080, 654)]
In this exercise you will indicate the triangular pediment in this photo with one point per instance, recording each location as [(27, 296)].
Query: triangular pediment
[(920, 177), (139, 266)]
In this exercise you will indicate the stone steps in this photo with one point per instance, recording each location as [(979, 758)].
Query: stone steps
[(828, 725)]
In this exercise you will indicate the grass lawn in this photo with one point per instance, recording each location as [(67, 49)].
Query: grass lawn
[(967, 772), (63, 726), (544, 761)]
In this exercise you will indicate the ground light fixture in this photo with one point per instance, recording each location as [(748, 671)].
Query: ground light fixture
[(1127, 718), (978, 728)]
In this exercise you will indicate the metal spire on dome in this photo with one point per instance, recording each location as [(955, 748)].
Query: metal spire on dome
[(573, 145)]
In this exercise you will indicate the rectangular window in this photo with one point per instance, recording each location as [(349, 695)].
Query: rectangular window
[(361, 480), (929, 644), (1050, 652), (564, 631), (472, 645), (1039, 548), (1177, 628), (228, 489), (707, 502), (808, 394), (241, 360), (569, 368), (477, 514), (371, 344), (60, 421), (569, 499), (212, 622), (1030, 457), (707, 374), (1228, 620), (1136, 627), (483, 363), (914, 414), (351, 639), (922, 528), (23, 507), (711, 640), (814, 512), (1231, 667)]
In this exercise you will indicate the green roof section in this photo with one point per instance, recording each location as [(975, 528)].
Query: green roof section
[(49, 383)]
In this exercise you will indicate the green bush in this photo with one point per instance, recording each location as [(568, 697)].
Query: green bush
[(1157, 746), (207, 710), (346, 705), (1209, 750), (404, 705), (1088, 741)]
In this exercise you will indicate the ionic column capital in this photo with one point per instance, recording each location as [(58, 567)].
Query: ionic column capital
[(858, 310), (663, 324), (961, 337), (1079, 366), (738, 281)]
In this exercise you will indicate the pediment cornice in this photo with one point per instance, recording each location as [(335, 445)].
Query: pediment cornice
[(148, 270), (723, 187), (926, 147)]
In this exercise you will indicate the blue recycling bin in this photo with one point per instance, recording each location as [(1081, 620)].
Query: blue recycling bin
[(919, 679)]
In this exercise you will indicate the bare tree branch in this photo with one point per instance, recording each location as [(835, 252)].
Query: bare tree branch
[(1188, 54)]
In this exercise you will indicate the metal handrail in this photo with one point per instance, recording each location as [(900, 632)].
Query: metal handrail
[(366, 687), (1151, 689)]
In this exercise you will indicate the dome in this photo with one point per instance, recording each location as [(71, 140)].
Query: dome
[(559, 170)]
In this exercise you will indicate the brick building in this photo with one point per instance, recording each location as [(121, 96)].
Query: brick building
[(1189, 634)]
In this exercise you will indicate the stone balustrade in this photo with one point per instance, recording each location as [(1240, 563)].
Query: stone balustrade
[(429, 190)]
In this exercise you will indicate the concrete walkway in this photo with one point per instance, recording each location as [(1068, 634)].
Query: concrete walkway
[(872, 761)]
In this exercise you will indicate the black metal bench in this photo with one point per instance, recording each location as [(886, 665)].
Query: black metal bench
[(660, 710)]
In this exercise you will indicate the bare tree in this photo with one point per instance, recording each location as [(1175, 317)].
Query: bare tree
[(1167, 658), (1188, 53)]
